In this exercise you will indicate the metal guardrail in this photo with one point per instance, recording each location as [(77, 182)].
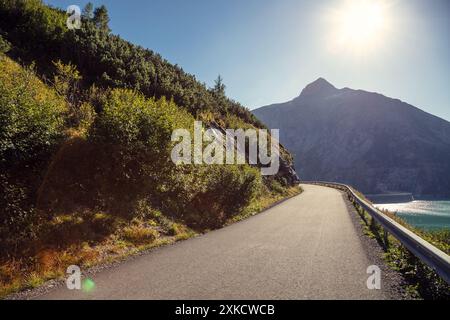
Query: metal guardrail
[(425, 251)]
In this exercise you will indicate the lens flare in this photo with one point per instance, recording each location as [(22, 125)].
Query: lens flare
[(88, 285)]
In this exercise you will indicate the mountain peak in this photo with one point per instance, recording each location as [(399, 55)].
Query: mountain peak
[(320, 87)]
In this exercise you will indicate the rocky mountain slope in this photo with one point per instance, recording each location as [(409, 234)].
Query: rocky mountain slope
[(373, 142)]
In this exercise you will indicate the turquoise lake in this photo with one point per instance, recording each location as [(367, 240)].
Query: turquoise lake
[(428, 215)]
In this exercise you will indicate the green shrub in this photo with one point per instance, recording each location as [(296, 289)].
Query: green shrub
[(31, 115), (227, 190), (137, 123), (18, 220), (134, 135), (276, 187), (31, 123)]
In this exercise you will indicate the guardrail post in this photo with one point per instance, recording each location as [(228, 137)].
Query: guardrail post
[(385, 238)]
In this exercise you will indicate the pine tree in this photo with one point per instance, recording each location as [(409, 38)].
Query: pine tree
[(88, 11), (101, 18), (219, 86)]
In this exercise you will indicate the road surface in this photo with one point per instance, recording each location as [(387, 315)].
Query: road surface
[(305, 248)]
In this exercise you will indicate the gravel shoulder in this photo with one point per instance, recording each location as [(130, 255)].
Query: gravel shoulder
[(392, 281)]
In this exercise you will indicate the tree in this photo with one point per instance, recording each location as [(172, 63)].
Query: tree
[(219, 86), (66, 81), (88, 11), (101, 18)]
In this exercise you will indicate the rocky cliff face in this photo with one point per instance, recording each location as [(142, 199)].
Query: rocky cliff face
[(286, 172), (370, 141)]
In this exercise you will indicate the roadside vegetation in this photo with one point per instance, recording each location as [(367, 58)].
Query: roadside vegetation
[(81, 187), (85, 138), (422, 281), (88, 239)]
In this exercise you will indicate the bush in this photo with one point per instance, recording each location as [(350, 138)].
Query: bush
[(31, 123), (31, 115), (276, 187), (228, 189), (18, 220), (135, 134), (137, 123), (125, 157)]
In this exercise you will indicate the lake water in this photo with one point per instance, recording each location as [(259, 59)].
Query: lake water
[(429, 215)]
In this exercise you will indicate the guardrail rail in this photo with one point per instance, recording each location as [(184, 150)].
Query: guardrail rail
[(422, 249)]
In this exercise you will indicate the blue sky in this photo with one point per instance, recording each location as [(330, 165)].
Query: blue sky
[(267, 51)]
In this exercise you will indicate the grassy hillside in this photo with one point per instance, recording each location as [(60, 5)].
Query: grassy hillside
[(85, 139), (84, 188)]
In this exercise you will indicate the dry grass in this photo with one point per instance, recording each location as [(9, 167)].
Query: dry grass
[(139, 234), (51, 261), (109, 239)]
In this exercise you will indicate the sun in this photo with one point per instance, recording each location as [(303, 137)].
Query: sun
[(359, 25), (361, 21)]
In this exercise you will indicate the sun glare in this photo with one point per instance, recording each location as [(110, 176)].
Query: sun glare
[(359, 25)]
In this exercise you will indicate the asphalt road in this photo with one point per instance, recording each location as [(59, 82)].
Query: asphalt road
[(305, 248)]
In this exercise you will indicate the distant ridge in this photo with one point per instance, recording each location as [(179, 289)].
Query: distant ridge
[(319, 87), (376, 143)]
